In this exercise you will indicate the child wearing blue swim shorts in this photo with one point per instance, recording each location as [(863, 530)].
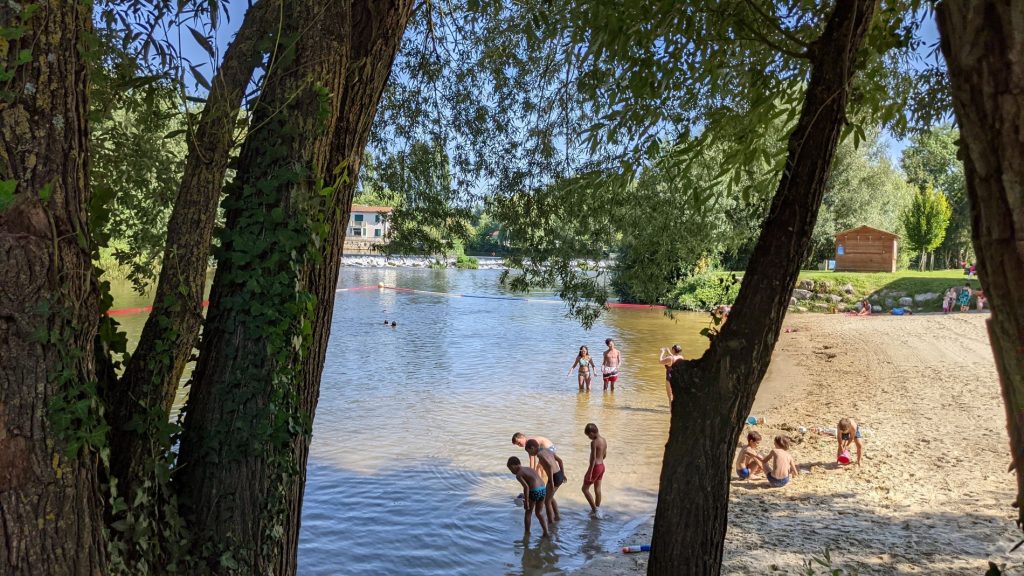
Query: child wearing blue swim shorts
[(534, 494), (749, 460)]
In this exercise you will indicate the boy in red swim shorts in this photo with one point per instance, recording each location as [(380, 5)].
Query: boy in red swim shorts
[(595, 471)]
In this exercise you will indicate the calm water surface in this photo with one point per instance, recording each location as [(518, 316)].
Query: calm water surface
[(407, 469)]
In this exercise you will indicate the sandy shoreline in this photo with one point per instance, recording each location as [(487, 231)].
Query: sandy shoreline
[(933, 495)]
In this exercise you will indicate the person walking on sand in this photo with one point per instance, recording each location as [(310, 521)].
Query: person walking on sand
[(610, 364), (670, 356), (595, 470), (847, 433), (553, 466), (964, 299), (779, 464), (534, 494), (586, 368)]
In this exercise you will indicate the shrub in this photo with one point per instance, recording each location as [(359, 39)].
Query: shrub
[(704, 291), (467, 263)]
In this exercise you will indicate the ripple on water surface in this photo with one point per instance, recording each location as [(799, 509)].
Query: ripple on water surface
[(414, 425)]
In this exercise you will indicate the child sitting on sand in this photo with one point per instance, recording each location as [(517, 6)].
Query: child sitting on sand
[(748, 462), (534, 493), (847, 432), (779, 464)]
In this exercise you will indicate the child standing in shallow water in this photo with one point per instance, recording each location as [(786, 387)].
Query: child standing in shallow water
[(595, 471), (534, 493), (779, 464)]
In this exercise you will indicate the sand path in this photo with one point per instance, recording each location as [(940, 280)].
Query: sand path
[(933, 495)]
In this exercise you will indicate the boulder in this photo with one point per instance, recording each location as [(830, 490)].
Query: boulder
[(847, 288), (858, 306), (889, 303), (806, 284), (792, 301), (906, 301), (800, 294), (835, 299), (925, 297), (875, 297), (823, 286), (897, 294), (876, 308)]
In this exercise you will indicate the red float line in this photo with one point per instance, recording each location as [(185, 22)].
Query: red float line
[(147, 309), (140, 310)]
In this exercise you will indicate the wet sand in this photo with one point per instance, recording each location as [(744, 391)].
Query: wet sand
[(933, 495)]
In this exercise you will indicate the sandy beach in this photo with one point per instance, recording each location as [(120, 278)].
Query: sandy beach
[(933, 495)]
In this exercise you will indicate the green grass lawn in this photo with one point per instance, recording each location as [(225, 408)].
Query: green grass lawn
[(909, 282)]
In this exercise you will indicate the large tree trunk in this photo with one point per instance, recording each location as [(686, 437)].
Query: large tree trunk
[(255, 387), (140, 403), (50, 425), (714, 393), (981, 40)]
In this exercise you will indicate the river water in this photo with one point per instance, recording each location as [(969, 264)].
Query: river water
[(414, 425)]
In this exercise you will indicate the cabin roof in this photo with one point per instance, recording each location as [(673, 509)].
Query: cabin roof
[(866, 229)]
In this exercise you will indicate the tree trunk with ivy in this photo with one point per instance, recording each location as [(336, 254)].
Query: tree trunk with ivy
[(140, 402), (254, 391), (51, 429), (714, 393), (981, 43)]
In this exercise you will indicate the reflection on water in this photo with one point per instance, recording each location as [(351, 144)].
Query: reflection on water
[(407, 469), (414, 425)]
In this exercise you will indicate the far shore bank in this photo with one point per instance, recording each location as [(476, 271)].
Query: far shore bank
[(933, 495)]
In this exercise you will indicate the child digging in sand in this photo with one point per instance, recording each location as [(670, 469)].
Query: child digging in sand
[(779, 465), (534, 493), (551, 464), (748, 462), (847, 432), (595, 471)]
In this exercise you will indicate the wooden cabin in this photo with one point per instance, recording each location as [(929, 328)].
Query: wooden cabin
[(866, 249)]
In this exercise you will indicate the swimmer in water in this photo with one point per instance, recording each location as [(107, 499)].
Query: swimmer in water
[(587, 366)]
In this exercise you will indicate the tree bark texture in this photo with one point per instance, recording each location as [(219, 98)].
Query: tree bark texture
[(50, 502), (714, 393), (983, 43), (254, 391), (140, 402)]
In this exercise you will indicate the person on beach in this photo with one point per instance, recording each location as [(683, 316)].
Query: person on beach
[(610, 364), (748, 462), (948, 299), (964, 299), (669, 356), (520, 439), (721, 312), (595, 470), (865, 308), (534, 494), (980, 295), (847, 433), (552, 465), (779, 465), (586, 368)]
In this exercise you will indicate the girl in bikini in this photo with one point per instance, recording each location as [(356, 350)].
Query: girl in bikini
[(586, 367)]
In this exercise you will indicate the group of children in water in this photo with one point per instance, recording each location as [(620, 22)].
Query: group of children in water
[(546, 473), (779, 466)]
